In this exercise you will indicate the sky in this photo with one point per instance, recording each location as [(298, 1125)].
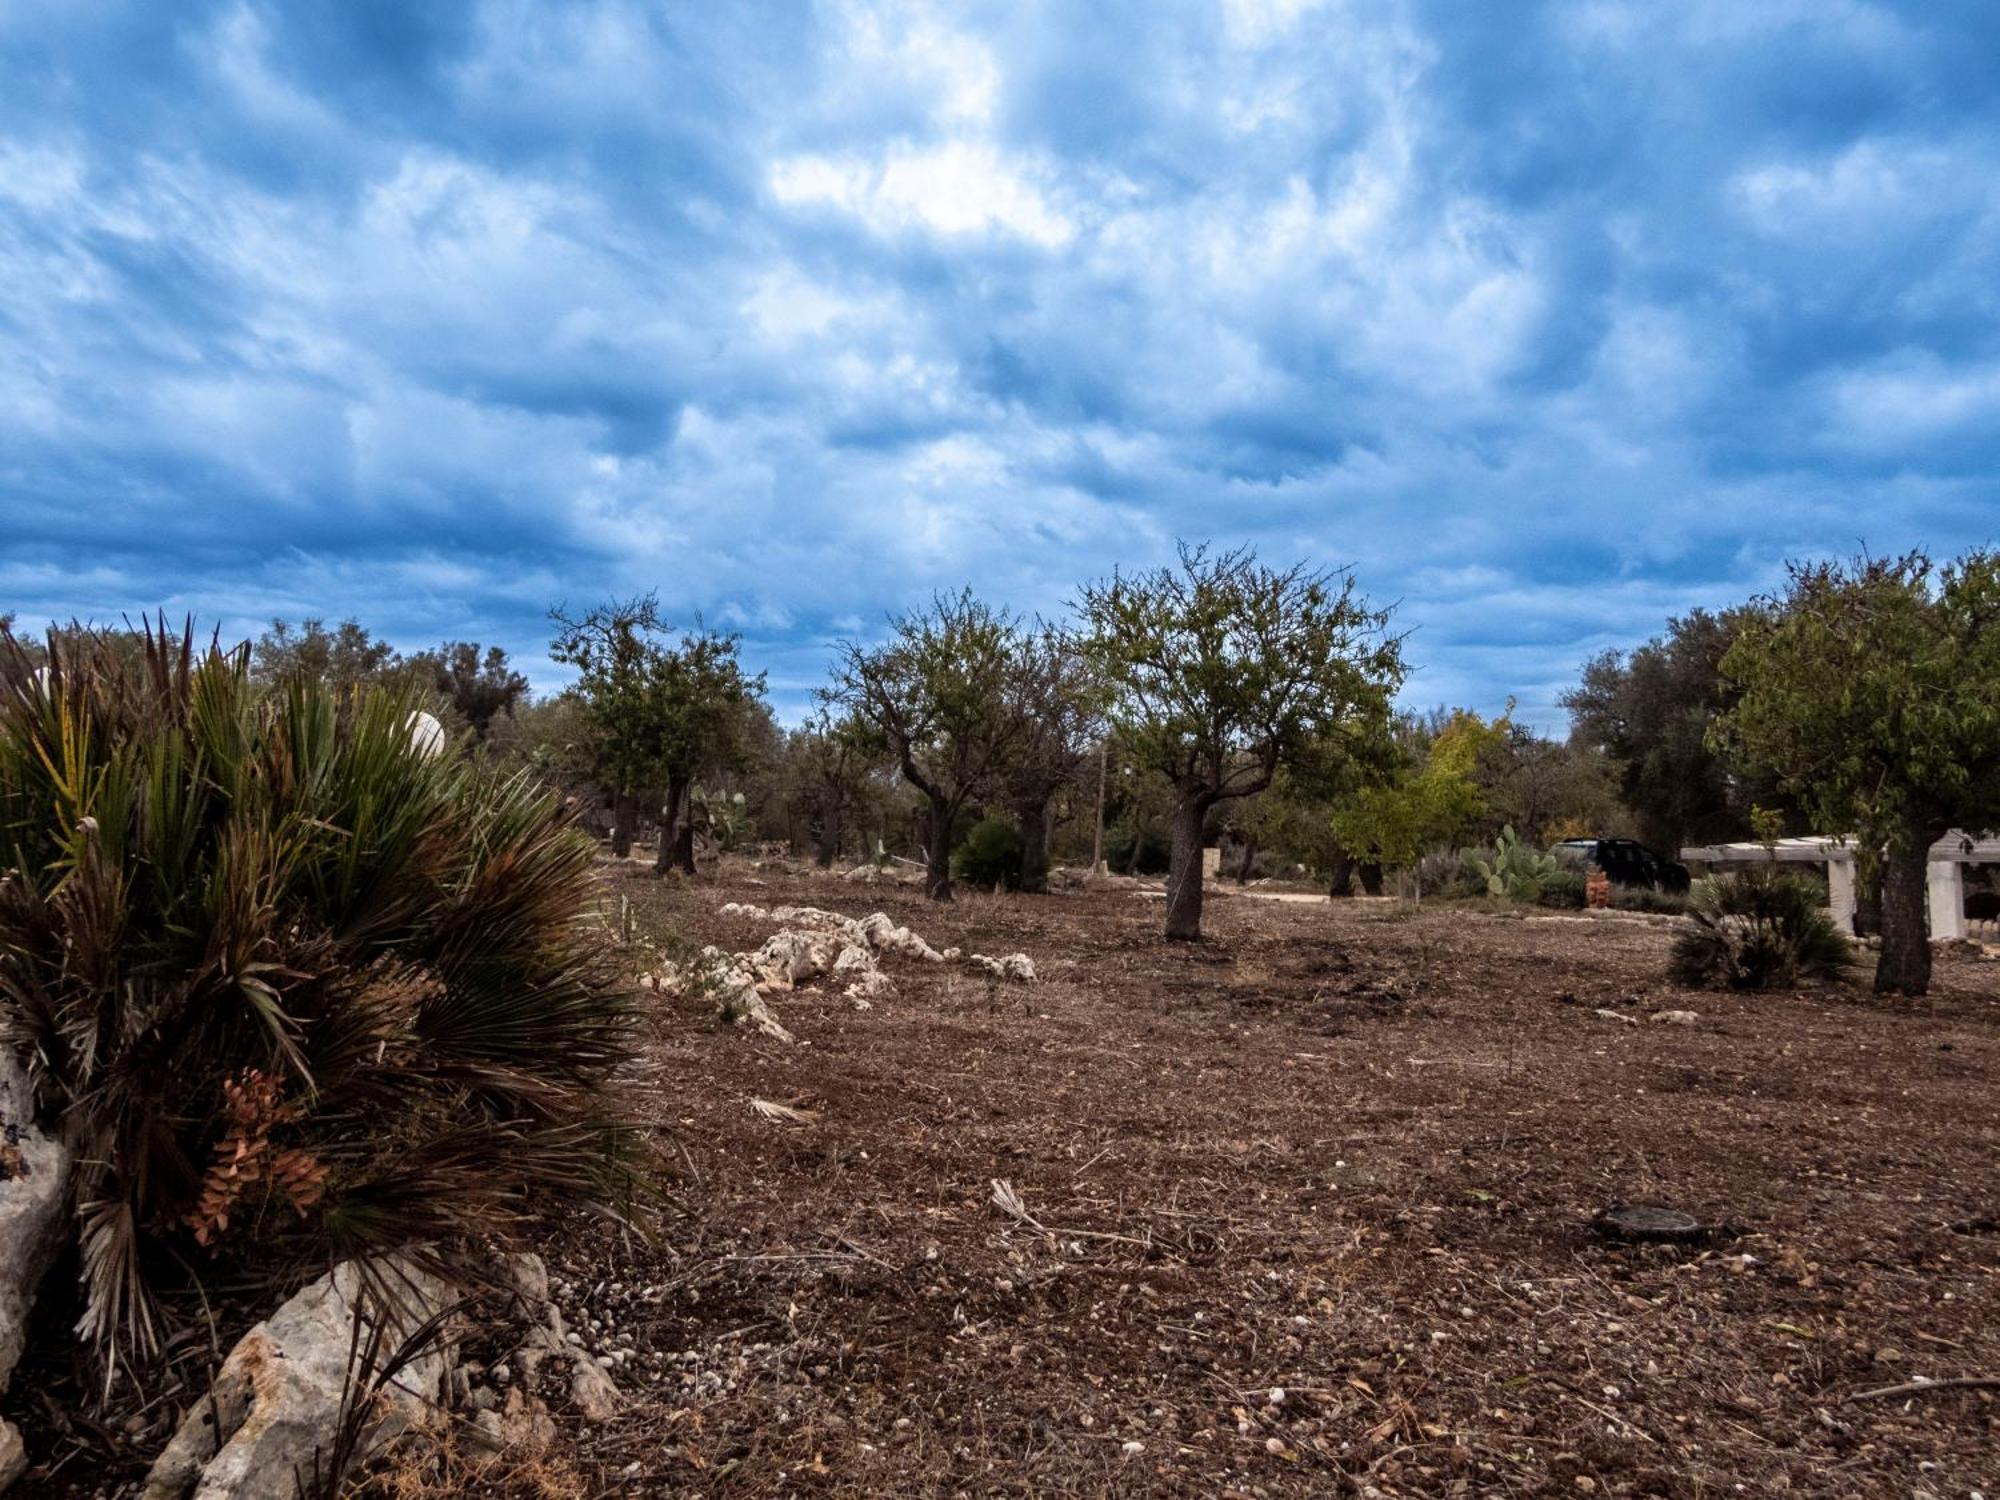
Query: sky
[(1551, 321)]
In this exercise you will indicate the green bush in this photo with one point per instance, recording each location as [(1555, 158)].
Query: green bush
[(1645, 898), (990, 855), (295, 990), (1760, 929), (1562, 888), (1155, 853)]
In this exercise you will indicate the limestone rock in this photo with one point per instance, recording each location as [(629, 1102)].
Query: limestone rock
[(274, 1408), (34, 1184), (1016, 968)]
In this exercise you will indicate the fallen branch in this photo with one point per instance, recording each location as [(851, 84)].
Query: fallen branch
[(1009, 1202), (1919, 1387)]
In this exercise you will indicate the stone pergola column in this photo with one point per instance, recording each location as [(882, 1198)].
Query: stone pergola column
[(1840, 892), (1947, 900)]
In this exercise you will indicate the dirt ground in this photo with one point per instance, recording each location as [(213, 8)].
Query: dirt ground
[(1308, 1212)]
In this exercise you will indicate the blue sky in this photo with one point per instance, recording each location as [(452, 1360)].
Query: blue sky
[(1552, 320)]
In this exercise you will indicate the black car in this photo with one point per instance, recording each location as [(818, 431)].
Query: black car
[(1627, 862)]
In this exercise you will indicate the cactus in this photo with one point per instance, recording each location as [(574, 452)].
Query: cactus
[(1517, 871)]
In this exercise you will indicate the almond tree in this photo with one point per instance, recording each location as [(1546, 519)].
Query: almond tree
[(937, 693), (1057, 698), (1222, 670)]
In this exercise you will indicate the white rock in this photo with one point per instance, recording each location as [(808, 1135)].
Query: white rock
[(1675, 1017), (276, 1401), (1612, 1015), (1017, 968)]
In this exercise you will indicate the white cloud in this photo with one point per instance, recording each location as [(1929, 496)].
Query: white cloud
[(957, 188)]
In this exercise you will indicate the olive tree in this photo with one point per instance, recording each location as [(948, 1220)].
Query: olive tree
[(1222, 670), (937, 694), (828, 767), (1872, 690), (619, 660)]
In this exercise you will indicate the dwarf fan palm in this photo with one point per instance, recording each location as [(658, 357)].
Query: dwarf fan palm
[(291, 989)]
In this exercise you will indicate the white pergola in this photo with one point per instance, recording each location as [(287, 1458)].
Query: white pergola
[(1948, 858)]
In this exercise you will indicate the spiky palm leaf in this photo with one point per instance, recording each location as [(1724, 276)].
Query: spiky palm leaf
[(206, 883)]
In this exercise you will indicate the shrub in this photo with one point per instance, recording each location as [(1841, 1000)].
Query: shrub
[(990, 855), (1451, 873), (1563, 888), (1155, 854), (296, 990), (1756, 930), (1645, 898)]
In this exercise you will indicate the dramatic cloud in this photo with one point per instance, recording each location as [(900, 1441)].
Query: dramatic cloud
[(1553, 321)]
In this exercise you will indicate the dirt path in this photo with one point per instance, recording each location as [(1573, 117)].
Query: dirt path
[(1317, 1196)]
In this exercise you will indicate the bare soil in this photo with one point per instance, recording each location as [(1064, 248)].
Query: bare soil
[(1309, 1212)]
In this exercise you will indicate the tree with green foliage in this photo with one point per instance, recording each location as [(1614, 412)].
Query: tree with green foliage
[(480, 689), (343, 658), (1432, 796), (937, 693), (1650, 712), (1871, 689), (1223, 670), (705, 706), (828, 767), (620, 664), (1057, 698)]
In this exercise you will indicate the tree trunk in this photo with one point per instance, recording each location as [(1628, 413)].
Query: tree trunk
[(1184, 869), (1371, 877), (624, 813), (1249, 859), (937, 852), (1905, 965), (676, 831), (1340, 877), (1034, 819), (828, 840)]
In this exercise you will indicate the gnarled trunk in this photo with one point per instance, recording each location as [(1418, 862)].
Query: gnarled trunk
[(1249, 860), (624, 815), (827, 839), (1184, 868), (1340, 875), (1371, 877), (937, 852), (1034, 819), (1905, 965), (676, 830)]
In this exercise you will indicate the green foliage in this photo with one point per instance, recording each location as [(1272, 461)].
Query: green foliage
[(1136, 847), (1221, 670), (295, 990), (1760, 929), (1872, 690), (990, 854), (721, 817), (1566, 889), (1516, 871), (937, 694), (1432, 798), (1650, 713), (342, 658), (481, 689)]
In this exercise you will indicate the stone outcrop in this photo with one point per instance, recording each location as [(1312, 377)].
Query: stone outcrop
[(34, 1195), (272, 1415)]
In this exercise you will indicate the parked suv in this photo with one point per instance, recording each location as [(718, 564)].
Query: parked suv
[(1627, 862)]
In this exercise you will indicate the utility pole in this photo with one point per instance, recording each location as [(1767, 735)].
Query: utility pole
[(1097, 843)]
